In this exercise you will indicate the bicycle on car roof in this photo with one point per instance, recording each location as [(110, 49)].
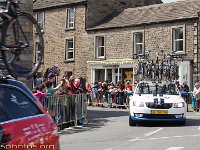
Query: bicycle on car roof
[(21, 40)]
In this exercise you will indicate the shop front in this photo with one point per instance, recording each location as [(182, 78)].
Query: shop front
[(123, 71), (112, 71)]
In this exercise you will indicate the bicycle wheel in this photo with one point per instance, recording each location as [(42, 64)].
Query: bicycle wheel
[(24, 46)]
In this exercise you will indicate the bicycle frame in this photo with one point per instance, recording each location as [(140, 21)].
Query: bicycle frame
[(9, 15)]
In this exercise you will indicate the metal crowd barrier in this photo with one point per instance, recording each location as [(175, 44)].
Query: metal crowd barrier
[(108, 98), (65, 109)]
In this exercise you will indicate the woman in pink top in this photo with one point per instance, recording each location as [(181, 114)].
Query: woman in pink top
[(40, 91)]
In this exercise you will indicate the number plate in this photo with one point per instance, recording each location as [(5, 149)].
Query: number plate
[(159, 111)]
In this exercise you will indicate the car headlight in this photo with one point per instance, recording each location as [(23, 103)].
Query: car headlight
[(179, 105), (138, 104)]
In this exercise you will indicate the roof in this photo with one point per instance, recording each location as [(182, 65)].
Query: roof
[(153, 14), (42, 4)]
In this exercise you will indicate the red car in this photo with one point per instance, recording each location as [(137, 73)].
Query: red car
[(23, 125)]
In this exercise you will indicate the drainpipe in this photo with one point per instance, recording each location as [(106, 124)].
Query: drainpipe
[(198, 42)]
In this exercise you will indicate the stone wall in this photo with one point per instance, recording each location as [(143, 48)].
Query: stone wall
[(55, 34), (157, 37)]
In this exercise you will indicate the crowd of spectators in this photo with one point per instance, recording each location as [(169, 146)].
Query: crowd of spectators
[(111, 93), (100, 91), (66, 85)]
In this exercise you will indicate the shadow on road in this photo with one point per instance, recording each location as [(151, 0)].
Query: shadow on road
[(90, 125), (105, 113), (96, 118)]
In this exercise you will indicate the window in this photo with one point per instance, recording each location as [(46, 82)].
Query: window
[(178, 39), (36, 53), (68, 73), (40, 19), (100, 47), (15, 104), (69, 49), (138, 42), (70, 18)]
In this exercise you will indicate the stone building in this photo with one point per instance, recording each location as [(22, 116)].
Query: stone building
[(97, 39), (172, 26), (64, 26)]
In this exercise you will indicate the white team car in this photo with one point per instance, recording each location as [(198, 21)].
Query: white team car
[(157, 101)]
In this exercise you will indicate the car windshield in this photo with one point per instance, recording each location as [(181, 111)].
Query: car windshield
[(157, 88)]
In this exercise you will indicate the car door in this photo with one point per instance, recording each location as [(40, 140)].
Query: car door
[(23, 124)]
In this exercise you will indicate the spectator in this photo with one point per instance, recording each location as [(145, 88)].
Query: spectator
[(105, 90), (113, 90), (54, 70), (89, 90), (184, 91), (52, 79), (111, 85), (120, 95), (100, 93), (44, 81), (128, 87), (77, 83), (178, 85), (83, 84), (128, 92), (40, 91), (49, 88), (184, 87), (95, 89), (74, 86), (66, 77), (197, 95), (63, 89)]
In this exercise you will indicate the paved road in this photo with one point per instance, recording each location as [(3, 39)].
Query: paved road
[(108, 129)]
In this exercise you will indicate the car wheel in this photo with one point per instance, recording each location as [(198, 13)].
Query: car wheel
[(131, 122)]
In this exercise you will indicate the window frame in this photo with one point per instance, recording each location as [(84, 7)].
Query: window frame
[(36, 47), (134, 33), (67, 25), (66, 49), (102, 46), (40, 22), (173, 47), (69, 73)]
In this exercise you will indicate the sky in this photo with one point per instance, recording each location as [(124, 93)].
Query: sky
[(168, 1)]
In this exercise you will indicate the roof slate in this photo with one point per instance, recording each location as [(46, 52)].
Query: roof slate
[(153, 14), (41, 4)]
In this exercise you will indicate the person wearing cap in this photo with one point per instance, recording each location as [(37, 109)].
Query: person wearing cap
[(197, 95)]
